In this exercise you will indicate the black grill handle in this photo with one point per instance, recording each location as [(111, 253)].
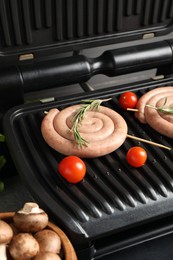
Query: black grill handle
[(137, 58), (78, 69)]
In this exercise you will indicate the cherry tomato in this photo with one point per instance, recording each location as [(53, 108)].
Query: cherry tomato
[(72, 168), (128, 100), (136, 156)]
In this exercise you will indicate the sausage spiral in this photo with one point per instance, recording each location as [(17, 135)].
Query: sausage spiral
[(161, 122), (105, 131)]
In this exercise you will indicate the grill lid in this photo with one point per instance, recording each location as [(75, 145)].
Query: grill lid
[(45, 28), (113, 196)]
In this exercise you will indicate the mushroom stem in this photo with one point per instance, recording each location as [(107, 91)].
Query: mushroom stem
[(30, 207), (3, 254)]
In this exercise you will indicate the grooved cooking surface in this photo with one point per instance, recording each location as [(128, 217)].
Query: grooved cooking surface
[(38, 23), (113, 195)]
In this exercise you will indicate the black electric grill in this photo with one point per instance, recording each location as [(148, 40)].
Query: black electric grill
[(113, 197), (115, 206)]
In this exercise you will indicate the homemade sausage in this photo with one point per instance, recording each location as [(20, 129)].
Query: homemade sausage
[(161, 122), (104, 130), (141, 105)]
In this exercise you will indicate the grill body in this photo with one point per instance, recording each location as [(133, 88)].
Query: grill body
[(114, 198)]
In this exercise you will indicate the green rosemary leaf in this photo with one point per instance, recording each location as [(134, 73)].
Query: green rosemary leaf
[(165, 102)]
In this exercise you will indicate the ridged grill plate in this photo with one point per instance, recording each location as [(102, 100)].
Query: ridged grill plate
[(113, 196)]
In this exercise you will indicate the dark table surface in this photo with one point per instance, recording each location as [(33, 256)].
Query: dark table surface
[(14, 195)]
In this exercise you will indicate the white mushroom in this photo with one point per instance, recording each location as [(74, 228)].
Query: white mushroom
[(6, 234), (48, 240), (23, 246), (30, 218)]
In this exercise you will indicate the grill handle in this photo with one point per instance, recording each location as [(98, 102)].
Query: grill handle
[(18, 80), (78, 69), (136, 58)]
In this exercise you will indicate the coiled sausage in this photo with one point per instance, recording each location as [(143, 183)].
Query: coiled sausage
[(141, 105), (105, 131), (160, 121)]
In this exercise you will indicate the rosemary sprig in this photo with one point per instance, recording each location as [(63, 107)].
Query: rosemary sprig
[(89, 104), (162, 109)]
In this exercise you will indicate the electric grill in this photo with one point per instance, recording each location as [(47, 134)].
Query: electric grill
[(116, 207)]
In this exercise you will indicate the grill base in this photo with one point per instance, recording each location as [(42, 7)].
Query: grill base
[(114, 197)]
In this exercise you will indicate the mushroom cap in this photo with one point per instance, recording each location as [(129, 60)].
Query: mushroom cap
[(6, 232), (32, 222), (48, 240), (23, 246), (46, 256)]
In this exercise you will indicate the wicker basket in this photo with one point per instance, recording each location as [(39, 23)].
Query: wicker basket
[(68, 250)]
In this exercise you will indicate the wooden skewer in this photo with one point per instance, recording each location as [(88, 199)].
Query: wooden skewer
[(144, 140), (133, 109), (148, 142)]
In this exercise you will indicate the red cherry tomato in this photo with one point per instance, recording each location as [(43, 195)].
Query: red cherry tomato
[(128, 100), (72, 168), (136, 156)]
